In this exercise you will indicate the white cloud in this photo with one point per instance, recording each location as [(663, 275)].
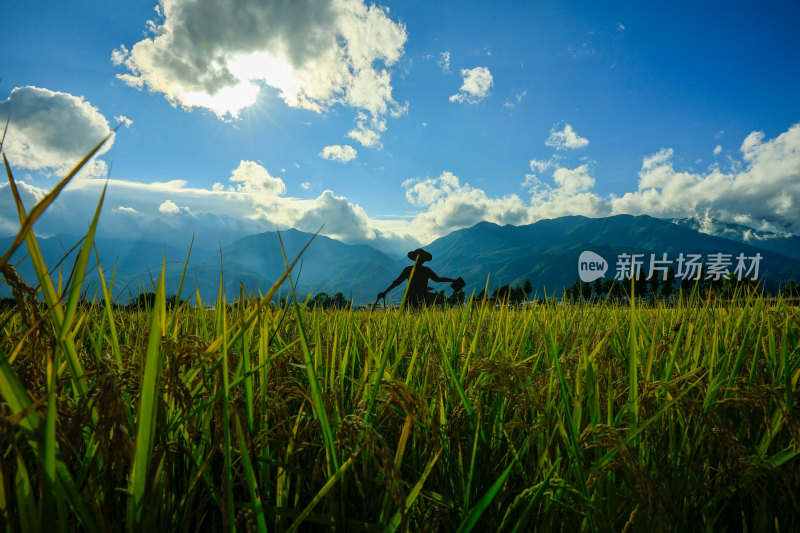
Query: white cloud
[(751, 143), (620, 26), (450, 205), (444, 62), (306, 185), (511, 104), (216, 55), (29, 194), (119, 55), (558, 202), (566, 138), (337, 152), (422, 193), (368, 130), (251, 203), (169, 207), (126, 210), (476, 85), (251, 178), (340, 218), (717, 150), (569, 193), (51, 131), (763, 188), (761, 191), (573, 181), (123, 120), (540, 166)]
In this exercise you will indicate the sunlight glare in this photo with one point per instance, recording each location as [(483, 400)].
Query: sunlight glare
[(274, 71), (230, 100)]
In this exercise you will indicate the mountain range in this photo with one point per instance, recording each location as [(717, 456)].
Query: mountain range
[(545, 252)]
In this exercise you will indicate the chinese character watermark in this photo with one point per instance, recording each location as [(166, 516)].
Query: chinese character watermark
[(712, 266)]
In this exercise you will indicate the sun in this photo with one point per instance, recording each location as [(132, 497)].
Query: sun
[(274, 71), (250, 71), (228, 101)]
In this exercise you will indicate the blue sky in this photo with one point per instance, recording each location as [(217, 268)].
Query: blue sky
[(399, 122)]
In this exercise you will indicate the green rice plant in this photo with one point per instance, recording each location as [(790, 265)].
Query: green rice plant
[(259, 416), (146, 413)]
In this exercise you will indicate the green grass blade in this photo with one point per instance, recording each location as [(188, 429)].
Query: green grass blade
[(51, 296), (476, 512), (566, 402), (16, 397), (244, 320), (45, 202), (147, 412), (79, 271), (68, 492), (397, 518), (787, 368), (222, 308), (522, 523), (250, 477), (321, 494), (30, 517), (109, 310), (317, 401), (180, 283), (48, 504)]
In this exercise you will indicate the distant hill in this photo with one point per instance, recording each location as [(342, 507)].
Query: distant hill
[(357, 271), (132, 260), (545, 252)]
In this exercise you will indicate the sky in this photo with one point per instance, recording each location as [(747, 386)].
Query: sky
[(395, 123)]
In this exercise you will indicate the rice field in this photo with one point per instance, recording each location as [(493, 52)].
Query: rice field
[(255, 417)]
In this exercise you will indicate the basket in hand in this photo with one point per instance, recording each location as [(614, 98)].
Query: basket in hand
[(458, 284)]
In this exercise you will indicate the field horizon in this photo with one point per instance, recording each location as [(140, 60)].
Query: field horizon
[(545, 253)]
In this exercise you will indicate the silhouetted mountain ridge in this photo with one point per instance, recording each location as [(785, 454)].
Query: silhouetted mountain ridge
[(546, 252)]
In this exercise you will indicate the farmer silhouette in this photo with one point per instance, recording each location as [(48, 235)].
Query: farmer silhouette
[(419, 294)]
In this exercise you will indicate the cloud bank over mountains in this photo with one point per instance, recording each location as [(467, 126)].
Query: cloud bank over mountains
[(760, 190)]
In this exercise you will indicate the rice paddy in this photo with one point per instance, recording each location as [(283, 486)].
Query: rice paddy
[(259, 417)]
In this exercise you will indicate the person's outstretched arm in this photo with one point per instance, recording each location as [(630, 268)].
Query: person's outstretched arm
[(403, 276), (437, 279)]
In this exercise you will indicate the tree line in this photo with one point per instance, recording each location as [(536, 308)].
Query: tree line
[(601, 289), (656, 288)]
